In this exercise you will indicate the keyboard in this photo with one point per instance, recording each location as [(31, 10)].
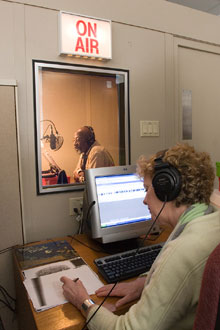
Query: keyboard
[(124, 265)]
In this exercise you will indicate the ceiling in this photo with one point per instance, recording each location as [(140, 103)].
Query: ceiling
[(209, 6)]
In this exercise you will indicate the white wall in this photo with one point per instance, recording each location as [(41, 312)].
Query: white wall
[(142, 43), (143, 34), (32, 33)]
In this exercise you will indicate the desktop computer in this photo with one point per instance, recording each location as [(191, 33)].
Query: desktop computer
[(113, 208)]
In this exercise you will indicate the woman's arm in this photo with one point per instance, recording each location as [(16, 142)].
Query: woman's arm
[(76, 293), (129, 291)]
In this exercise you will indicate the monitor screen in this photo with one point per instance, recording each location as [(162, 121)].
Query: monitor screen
[(115, 209), (120, 199)]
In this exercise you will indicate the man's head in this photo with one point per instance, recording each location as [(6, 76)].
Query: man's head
[(84, 138)]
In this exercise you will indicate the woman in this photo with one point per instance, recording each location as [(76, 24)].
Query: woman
[(179, 182)]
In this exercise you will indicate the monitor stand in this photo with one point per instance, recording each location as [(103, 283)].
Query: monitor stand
[(121, 246), (130, 244)]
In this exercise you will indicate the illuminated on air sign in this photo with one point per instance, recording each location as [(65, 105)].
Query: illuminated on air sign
[(85, 36)]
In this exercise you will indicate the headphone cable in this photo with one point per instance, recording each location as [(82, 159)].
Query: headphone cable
[(85, 325), (152, 225)]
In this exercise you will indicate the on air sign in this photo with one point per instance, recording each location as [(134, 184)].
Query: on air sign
[(85, 36)]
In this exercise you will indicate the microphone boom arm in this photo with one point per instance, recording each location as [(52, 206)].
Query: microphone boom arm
[(51, 161)]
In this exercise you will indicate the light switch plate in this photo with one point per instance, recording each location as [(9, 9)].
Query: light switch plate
[(149, 128)]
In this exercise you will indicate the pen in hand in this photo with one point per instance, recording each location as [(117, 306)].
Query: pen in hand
[(76, 279)]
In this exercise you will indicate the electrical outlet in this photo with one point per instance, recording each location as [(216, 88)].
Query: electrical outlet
[(75, 203)]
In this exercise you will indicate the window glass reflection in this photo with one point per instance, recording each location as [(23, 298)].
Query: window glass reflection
[(67, 101)]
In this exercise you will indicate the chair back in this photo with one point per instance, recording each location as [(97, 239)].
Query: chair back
[(208, 310)]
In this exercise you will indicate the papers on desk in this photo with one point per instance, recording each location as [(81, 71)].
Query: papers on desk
[(45, 288)]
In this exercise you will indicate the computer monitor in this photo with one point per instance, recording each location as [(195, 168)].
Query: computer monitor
[(114, 204)]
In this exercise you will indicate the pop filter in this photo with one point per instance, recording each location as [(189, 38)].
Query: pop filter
[(57, 144), (54, 139)]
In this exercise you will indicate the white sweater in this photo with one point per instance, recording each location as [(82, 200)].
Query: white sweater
[(171, 291)]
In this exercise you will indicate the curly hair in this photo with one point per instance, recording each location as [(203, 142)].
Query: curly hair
[(196, 170)]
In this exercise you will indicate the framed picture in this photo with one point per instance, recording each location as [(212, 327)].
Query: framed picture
[(68, 97)]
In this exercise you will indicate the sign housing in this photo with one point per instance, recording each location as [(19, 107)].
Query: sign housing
[(84, 36)]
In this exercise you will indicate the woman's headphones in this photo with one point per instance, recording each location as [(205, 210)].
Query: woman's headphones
[(166, 181)]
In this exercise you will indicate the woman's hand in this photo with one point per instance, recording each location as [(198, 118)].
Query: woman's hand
[(74, 292), (129, 291)]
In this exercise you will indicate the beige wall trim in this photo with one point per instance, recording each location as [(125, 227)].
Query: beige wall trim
[(8, 82), (30, 4), (193, 45), (19, 167), (147, 16), (13, 82)]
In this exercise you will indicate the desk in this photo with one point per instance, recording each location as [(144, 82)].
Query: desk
[(64, 317)]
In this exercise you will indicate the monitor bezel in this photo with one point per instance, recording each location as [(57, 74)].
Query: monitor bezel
[(112, 233)]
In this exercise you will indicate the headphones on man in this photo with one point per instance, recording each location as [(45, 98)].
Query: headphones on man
[(91, 138), (166, 181)]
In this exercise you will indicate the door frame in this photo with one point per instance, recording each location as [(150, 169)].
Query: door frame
[(13, 83)]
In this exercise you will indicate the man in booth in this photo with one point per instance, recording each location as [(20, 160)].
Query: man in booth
[(92, 154)]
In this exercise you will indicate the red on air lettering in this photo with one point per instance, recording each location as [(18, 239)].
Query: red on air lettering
[(83, 24), (79, 45), (88, 46), (83, 30), (90, 29), (94, 44), (84, 43)]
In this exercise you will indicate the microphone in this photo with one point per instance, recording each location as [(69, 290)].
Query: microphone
[(53, 140)]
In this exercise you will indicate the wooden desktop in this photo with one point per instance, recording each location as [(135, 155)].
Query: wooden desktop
[(66, 316)]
